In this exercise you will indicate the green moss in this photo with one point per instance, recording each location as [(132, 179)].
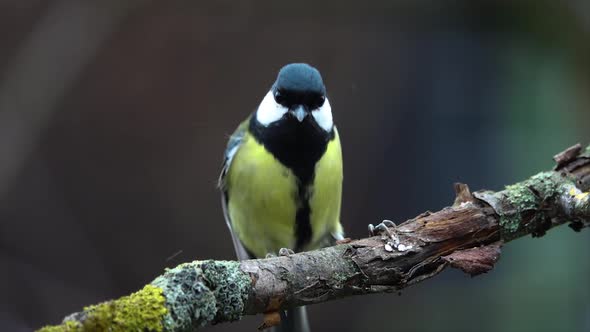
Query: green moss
[(544, 183), (68, 326), (140, 311), (521, 199), (525, 198)]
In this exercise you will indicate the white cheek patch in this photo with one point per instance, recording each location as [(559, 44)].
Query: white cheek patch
[(269, 110), (323, 116)]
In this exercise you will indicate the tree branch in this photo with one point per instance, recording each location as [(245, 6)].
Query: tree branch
[(467, 235)]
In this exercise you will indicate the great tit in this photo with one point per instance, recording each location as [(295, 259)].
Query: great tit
[(281, 180)]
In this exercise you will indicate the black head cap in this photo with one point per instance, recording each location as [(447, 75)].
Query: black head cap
[(299, 83)]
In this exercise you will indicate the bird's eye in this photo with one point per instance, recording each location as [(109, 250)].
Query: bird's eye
[(320, 101), (279, 97)]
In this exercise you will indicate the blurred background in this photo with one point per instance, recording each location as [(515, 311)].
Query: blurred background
[(114, 116)]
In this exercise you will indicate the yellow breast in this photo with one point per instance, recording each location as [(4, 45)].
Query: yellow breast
[(262, 199), (326, 195)]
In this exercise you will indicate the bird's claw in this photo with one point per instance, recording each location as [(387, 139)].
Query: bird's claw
[(286, 252), (381, 228), (389, 233), (282, 252)]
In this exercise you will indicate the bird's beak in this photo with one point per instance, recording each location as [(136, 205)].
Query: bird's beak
[(299, 113)]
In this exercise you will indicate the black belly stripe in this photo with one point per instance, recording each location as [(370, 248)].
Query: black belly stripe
[(298, 146), (302, 219)]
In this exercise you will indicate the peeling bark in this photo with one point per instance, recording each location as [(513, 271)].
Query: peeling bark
[(475, 261)]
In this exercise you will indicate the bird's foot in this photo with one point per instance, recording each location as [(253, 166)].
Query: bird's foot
[(286, 252), (388, 235), (282, 252), (381, 228)]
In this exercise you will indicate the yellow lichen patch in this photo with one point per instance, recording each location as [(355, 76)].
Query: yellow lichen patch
[(68, 326), (577, 194), (143, 310), (140, 311), (573, 191), (582, 196)]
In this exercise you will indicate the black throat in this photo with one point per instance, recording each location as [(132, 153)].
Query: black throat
[(298, 146)]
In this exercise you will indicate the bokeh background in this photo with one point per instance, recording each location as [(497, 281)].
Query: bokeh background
[(114, 116)]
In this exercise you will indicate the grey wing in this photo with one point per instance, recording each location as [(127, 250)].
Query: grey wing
[(232, 147)]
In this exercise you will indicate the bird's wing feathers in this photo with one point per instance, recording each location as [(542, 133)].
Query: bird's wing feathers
[(233, 145)]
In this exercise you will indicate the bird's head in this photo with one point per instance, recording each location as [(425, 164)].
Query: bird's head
[(298, 95)]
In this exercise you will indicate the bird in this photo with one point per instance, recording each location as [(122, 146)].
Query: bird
[(281, 178)]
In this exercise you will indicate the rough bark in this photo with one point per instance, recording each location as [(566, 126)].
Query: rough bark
[(468, 235)]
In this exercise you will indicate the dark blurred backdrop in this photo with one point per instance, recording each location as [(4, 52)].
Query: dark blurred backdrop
[(114, 116)]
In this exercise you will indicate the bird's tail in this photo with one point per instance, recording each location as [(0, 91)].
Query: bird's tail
[(293, 320)]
